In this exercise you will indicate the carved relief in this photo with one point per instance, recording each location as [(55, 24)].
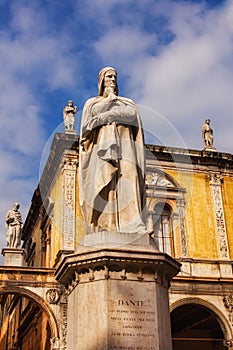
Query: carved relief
[(228, 344), (68, 187), (156, 178), (215, 184), (52, 296), (228, 303), (180, 207), (63, 310)]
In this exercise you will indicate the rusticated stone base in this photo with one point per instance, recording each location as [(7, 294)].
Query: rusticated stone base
[(118, 296), (13, 256)]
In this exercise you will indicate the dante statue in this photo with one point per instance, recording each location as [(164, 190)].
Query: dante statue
[(111, 163), (207, 134), (69, 112), (14, 227)]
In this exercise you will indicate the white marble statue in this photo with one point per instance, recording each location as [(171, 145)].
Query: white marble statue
[(14, 227), (111, 163), (69, 112), (207, 134)]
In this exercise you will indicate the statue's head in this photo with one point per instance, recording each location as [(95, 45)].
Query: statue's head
[(102, 79), (207, 121), (16, 206), (70, 103)]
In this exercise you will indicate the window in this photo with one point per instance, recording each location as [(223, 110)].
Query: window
[(163, 228)]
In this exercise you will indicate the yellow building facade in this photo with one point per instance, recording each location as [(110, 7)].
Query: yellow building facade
[(189, 202)]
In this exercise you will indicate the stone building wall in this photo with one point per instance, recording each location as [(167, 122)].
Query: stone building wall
[(197, 187)]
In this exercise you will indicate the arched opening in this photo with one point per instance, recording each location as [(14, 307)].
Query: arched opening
[(24, 322), (196, 327)]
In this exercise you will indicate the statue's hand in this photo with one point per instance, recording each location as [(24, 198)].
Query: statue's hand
[(110, 93)]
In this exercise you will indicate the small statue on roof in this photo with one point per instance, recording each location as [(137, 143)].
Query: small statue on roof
[(207, 134), (69, 112)]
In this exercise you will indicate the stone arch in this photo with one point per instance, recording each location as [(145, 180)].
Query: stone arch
[(43, 304), (222, 320)]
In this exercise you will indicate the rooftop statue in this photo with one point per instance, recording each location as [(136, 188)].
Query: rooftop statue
[(111, 170), (69, 112), (14, 227), (207, 134)]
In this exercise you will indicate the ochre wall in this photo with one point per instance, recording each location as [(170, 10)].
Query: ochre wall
[(199, 213)]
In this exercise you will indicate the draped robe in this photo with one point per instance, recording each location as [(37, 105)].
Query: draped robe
[(111, 166)]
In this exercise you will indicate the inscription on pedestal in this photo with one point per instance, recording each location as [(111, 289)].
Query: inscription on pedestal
[(131, 324)]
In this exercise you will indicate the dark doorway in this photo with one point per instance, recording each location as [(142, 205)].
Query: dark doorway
[(195, 327)]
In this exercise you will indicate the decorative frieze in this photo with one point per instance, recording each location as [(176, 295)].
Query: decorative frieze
[(180, 208), (215, 184), (68, 192)]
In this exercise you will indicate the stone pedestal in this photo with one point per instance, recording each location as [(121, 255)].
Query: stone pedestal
[(210, 149), (118, 295), (74, 132), (13, 256)]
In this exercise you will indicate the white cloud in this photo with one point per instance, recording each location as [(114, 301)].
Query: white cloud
[(186, 79), (31, 58), (189, 78)]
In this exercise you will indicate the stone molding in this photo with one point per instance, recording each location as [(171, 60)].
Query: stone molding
[(205, 269), (215, 184), (116, 264)]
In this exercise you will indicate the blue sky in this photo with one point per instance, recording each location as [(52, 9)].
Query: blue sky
[(175, 58)]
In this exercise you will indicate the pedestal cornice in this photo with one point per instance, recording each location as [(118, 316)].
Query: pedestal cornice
[(125, 263)]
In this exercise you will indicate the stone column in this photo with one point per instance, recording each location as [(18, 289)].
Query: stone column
[(69, 172), (118, 296)]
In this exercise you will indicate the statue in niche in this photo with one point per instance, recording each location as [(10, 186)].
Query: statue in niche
[(69, 112), (111, 161), (207, 134), (14, 227)]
